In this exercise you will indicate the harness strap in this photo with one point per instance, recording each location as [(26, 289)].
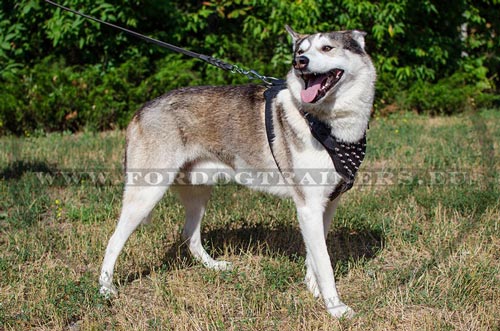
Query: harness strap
[(270, 94), (346, 157)]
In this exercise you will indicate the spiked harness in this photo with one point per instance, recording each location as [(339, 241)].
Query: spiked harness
[(346, 157)]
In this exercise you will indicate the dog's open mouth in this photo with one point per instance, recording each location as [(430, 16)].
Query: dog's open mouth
[(316, 85)]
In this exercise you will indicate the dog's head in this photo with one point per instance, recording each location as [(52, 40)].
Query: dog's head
[(323, 62)]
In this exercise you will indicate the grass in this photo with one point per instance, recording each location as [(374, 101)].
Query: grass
[(415, 244)]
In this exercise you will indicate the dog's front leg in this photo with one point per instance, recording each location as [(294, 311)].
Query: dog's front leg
[(310, 279), (312, 227)]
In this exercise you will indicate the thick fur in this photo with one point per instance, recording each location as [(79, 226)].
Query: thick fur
[(199, 128)]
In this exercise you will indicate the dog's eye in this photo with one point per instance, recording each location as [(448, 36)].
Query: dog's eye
[(300, 52), (326, 48)]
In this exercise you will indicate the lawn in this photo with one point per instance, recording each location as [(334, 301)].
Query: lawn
[(415, 244)]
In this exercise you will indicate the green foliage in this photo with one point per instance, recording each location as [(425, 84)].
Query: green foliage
[(52, 96), (62, 72), (463, 90)]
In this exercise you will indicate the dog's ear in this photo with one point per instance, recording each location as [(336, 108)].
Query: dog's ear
[(359, 36), (295, 36)]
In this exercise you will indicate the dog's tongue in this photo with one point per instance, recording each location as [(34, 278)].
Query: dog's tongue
[(309, 94)]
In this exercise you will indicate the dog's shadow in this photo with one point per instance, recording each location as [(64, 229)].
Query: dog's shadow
[(344, 245)]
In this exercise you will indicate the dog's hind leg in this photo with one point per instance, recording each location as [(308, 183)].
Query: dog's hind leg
[(138, 202), (194, 198), (310, 279)]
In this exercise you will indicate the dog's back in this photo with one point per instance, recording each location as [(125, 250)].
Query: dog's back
[(222, 122)]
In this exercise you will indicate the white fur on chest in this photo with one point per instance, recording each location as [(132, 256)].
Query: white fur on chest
[(312, 163)]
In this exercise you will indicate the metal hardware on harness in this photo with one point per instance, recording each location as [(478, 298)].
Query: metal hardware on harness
[(251, 74), (346, 157)]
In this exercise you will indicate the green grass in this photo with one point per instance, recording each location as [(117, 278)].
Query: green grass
[(414, 246)]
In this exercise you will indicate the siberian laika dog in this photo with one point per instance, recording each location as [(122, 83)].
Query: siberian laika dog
[(331, 84)]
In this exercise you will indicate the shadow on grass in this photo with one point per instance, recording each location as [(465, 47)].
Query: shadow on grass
[(344, 245), (16, 169), (25, 200)]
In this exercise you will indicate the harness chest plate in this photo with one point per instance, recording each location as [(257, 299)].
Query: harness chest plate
[(346, 157)]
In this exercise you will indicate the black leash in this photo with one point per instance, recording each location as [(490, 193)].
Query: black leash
[(251, 74)]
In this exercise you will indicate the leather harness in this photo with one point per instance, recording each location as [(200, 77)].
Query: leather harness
[(346, 157)]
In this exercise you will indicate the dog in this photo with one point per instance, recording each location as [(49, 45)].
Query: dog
[(192, 129)]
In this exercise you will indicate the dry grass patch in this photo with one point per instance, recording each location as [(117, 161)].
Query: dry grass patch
[(409, 253)]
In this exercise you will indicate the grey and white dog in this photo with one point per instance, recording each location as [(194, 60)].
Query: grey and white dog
[(198, 128)]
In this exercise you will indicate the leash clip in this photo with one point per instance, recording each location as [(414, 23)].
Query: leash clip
[(252, 74)]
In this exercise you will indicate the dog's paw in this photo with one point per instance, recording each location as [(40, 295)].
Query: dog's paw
[(219, 265), (108, 291), (312, 284), (341, 310)]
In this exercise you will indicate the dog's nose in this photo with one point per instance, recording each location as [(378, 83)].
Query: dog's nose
[(300, 62)]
